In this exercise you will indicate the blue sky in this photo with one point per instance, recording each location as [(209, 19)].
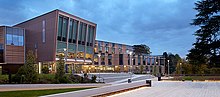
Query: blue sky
[(163, 25)]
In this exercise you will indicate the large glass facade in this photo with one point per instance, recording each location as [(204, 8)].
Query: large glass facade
[(14, 36), (75, 30)]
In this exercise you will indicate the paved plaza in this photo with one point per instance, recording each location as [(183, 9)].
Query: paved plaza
[(116, 78), (15, 87), (175, 89)]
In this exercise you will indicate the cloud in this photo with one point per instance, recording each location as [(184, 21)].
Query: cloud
[(161, 24)]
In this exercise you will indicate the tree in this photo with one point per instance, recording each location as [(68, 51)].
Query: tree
[(206, 49), (141, 49), (27, 73), (60, 68), (174, 61), (165, 55)]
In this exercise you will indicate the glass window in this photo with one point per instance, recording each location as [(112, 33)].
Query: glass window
[(85, 29), (92, 34), (106, 49), (1, 54), (109, 59), (75, 29), (139, 60), (113, 50), (14, 36), (70, 30), (96, 59), (9, 39), (15, 39), (81, 48), (120, 59), (60, 28), (88, 34), (144, 60), (102, 58), (80, 31), (148, 61), (20, 40), (43, 31), (64, 29)]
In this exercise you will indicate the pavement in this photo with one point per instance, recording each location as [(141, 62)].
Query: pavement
[(109, 78), (100, 91), (15, 87), (175, 89), (116, 78)]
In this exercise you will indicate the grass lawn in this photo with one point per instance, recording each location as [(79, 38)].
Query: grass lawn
[(201, 78), (36, 93)]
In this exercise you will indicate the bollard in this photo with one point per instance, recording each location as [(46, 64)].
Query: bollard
[(159, 78), (148, 82), (129, 80)]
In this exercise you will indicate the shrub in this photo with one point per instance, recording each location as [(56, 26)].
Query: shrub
[(46, 79), (214, 71), (75, 78), (65, 79), (45, 70), (60, 68), (94, 79), (27, 73), (3, 79)]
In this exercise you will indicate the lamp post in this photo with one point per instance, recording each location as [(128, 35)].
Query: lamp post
[(168, 68), (65, 59), (99, 55), (180, 68), (130, 65)]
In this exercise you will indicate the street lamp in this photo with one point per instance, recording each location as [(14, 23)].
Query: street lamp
[(131, 60), (99, 55), (180, 67), (65, 59), (168, 68)]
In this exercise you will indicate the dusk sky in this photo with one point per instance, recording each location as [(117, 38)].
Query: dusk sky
[(163, 25)]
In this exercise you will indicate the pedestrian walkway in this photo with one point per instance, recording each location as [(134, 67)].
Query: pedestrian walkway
[(175, 89), (14, 87), (101, 90)]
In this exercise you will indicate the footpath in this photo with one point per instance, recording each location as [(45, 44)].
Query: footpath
[(102, 91)]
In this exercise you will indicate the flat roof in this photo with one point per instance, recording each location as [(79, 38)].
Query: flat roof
[(51, 12), (113, 42)]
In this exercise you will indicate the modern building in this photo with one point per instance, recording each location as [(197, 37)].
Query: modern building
[(115, 57), (58, 32), (12, 49)]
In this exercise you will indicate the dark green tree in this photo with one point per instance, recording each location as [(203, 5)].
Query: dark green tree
[(27, 73), (60, 68), (165, 55), (174, 61), (206, 49), (141, 49)]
